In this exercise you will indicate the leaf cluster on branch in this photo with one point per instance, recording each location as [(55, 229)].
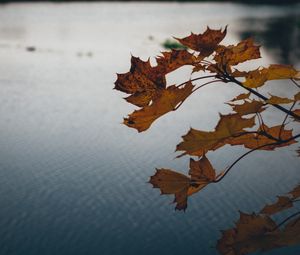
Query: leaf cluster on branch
[(147, 89)]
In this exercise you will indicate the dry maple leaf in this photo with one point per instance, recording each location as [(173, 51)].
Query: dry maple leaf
[(197, 142), (281, 204), (171, 182), (235, 54), (241, 97), (258, 77), (255, 140), (248, 107), (279, 100), (144, 81), (204, 43), (166, 100)]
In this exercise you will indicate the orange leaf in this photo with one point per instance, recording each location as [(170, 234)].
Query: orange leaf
[(279, 100), (241, 96), (235, 54), (197, 142), (171, 182), (204, 43), (166, 101), (247, 107), (252, 141), (258, 77)]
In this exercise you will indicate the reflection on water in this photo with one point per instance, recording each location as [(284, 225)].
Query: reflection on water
[(281, 35)]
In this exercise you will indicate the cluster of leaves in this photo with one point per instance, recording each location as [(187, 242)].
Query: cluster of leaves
[(259, 232), (148, 90)]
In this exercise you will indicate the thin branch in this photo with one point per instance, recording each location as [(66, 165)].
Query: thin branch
[(196, 79), (248, 152), (284, 120), (279, 107), (201, 86), (296, 84)]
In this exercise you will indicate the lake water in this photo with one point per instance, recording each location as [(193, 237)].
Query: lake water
[(73, 179)]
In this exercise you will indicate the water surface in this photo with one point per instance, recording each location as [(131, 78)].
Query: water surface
[(72, 178)]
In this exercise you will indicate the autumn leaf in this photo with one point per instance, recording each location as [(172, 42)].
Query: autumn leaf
[(258, 77), (235, 54), (281, 204), (297, 97), (170, 182), (279, 100), (197, 142), (204, 43), (270, 139), (166, 100), (144, 81), (248, 107), (241, 97)]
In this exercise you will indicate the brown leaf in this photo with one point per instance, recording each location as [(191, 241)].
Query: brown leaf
[(172, 60), (281, 204), (235, 54), (247, 107), (166, 101), (252, 141), (297, 97), (297, 112), (204, 43), (143, 80), (258, 77), (171, 182), (197, 142), (241, 97), (279, 100), (140, 78)]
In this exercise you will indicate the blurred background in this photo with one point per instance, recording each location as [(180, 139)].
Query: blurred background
[(73, 179)]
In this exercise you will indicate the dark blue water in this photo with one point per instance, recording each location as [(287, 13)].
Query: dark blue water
[(72, 178)]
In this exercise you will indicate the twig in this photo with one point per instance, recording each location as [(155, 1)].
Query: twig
[(232, 79), (284, 120), (293, 81), (201, 86), (248, 152), (196, 79)]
